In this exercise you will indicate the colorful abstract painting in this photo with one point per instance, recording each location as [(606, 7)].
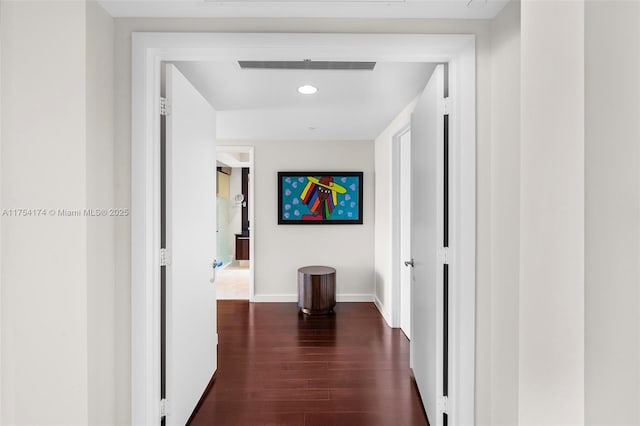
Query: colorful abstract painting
[(320, 198)]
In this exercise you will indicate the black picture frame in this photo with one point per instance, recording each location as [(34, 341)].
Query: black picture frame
[(320, 198)]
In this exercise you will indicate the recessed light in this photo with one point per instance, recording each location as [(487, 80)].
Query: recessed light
[(307, 89)]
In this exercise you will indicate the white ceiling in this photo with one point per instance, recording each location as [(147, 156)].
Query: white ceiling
[(433, 9), (265, 105)]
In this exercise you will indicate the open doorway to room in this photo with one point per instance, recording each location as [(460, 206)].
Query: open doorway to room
[(234, 201), (459, 51), (322, 116)]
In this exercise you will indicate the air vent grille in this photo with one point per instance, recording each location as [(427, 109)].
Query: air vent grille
[(307, 65)]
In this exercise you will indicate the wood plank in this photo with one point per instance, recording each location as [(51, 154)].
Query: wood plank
[(276, 367)]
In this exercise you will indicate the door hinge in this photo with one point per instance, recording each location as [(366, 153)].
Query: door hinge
[(163, 407), (442, 404), (443, 255), (165, 108), (446, 102), (165, 258)]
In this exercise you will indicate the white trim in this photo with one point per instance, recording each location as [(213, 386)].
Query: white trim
[(145, 227), (354, 298), (356, 9), (282, 298), (462, 136), (149, 49), (276, 298), (396, 261), (382, 311), (252, 223)]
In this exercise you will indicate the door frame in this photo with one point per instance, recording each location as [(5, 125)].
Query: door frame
[(249, 149), (396, 219), (150, 49)]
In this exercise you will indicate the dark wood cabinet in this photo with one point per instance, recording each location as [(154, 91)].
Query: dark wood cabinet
[(242, 247)]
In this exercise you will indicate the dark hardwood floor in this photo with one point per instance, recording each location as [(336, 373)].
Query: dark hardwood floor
[(276, 367)]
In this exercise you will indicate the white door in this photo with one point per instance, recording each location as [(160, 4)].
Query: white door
[(191, 239), (427, 136), (405, 233)]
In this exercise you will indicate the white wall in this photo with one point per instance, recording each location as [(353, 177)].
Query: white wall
[(481, 28), (100, 230), (281, 249), (551, 317), (44, 336), (611, 218), (505, 214), (612, 213), (48, 164), (57, 152)]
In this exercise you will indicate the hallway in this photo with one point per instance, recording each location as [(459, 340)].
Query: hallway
[(278, 368)]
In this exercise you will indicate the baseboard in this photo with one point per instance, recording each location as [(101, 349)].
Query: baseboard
[(202, 398), (266, 298), (383, 312), (354, 297)]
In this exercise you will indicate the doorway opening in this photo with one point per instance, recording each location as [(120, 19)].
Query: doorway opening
[(150, 49), (401, 214), (234, 197)]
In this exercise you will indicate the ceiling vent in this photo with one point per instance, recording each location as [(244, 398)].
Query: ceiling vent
[(307, 65)]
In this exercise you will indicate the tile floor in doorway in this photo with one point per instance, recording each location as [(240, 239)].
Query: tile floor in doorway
[(232, 282)]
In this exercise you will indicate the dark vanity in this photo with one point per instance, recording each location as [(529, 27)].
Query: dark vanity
[(242, 246)]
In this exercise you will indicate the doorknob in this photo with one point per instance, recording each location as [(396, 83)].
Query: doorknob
[(214, 265), (408, 263)]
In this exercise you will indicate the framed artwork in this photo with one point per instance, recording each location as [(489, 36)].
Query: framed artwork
[(319, 198)]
